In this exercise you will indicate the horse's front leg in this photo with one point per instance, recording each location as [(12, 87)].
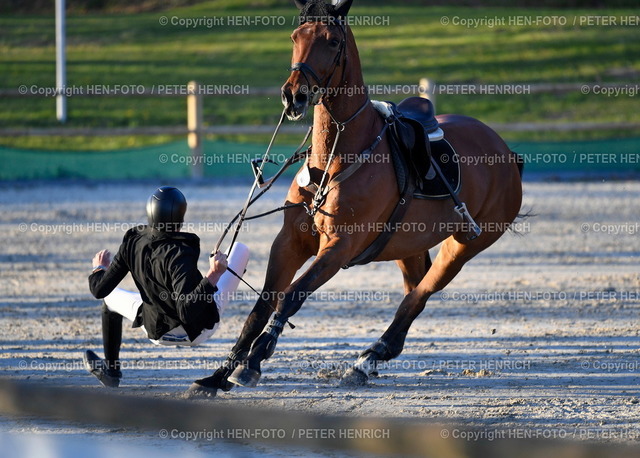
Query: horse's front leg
[(329, 261), (288, 253)]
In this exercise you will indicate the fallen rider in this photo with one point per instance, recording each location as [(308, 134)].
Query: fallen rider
[(176, 304)]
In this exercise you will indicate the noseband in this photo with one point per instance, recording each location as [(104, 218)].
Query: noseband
[(320, 87)]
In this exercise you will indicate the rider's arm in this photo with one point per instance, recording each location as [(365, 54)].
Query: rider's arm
[(106, 274)]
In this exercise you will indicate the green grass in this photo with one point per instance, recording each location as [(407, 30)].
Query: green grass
[(134, 49)]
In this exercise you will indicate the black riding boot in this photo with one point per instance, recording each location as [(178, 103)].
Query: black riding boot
[(111, 338), (107, 371)]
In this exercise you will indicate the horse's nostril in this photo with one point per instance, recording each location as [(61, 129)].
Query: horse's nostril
[(286, 96), (301, 98)]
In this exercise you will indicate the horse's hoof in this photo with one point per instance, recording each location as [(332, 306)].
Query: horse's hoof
[(197, 391), (245, 376), (354, 377)]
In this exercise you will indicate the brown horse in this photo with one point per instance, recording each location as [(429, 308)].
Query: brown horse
[(326, 74)]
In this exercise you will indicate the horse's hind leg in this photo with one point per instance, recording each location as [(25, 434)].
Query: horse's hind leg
[(413, 271), (450, 259)]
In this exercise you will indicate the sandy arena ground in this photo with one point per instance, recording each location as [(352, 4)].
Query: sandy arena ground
[(540, 332)]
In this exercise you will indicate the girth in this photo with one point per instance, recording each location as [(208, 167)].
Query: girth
[(397, 215)]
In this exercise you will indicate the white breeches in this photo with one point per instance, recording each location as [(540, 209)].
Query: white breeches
[(127, 303)]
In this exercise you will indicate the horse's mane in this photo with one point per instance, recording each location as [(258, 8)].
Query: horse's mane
[(317, 11)]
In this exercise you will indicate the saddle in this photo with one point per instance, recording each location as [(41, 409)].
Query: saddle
[(416, 139), (413, 134), (413, 121), (420, 110)]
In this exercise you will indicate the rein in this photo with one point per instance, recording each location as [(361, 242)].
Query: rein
[(256, 182), (295, 157), (318, 90)]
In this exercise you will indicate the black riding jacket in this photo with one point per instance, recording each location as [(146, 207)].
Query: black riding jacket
[(164, 268)]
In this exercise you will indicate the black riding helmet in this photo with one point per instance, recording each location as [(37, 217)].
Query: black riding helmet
[(166, 208)]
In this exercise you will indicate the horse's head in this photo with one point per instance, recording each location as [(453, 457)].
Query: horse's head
[(319, 50)]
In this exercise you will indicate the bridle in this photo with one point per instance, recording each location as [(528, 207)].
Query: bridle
[(319, 89)]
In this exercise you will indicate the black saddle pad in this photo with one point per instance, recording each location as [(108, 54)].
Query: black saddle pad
[(447, 158)]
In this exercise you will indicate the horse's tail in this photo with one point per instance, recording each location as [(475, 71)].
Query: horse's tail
[(519, 162), (522, 215)]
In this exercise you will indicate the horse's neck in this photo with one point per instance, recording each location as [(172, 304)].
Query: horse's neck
[(344, 102), (356, 135)]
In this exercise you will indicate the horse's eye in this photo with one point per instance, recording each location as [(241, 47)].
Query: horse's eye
[(334, 43)]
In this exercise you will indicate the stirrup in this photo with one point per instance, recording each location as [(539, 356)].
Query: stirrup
[(464, 213)]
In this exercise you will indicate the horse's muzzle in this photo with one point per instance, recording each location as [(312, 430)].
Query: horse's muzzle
[(296, 105)]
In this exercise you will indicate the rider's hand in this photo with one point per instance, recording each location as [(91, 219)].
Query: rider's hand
[(102, 258), (217, 266), (218, 262)]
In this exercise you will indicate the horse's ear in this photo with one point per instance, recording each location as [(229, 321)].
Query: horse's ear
[(342, 7), (300, 3)]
